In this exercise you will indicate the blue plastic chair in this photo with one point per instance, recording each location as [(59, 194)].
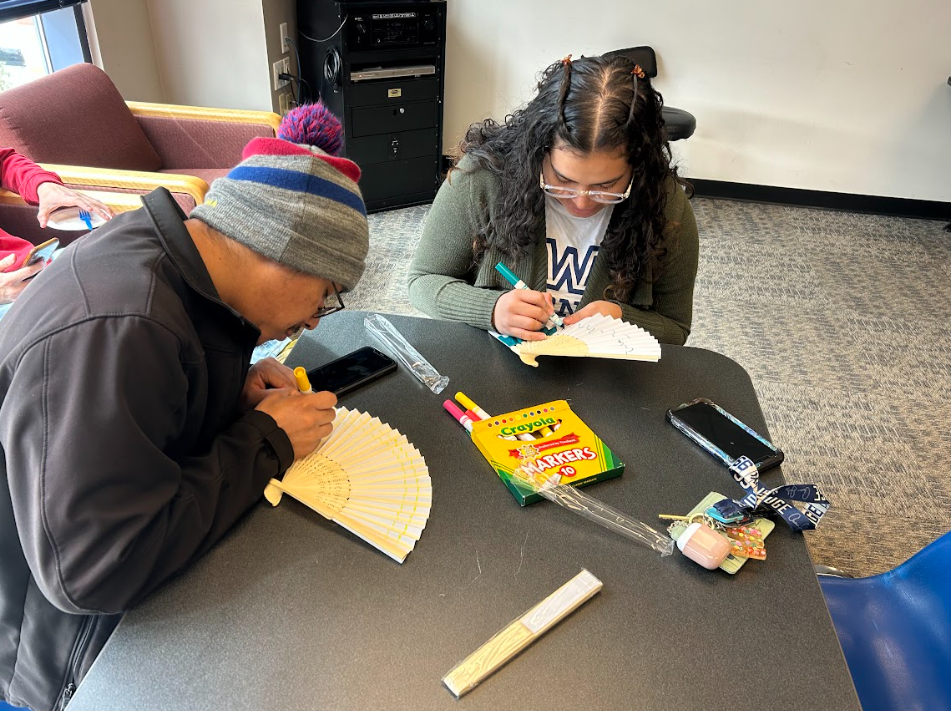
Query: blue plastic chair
[(895, 630)]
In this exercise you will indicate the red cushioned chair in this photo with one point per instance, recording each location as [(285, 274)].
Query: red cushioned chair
[(75, 123)]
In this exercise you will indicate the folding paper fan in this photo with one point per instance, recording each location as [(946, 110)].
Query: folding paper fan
[(366, 477), (597, 336)]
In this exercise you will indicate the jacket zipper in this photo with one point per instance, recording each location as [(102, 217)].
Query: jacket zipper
[(75, 657)]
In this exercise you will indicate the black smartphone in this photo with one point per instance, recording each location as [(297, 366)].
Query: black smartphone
[(722, 435), (351, 371)]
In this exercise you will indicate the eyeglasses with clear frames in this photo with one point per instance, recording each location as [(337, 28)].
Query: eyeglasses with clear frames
[(332, 304), (601, 196)]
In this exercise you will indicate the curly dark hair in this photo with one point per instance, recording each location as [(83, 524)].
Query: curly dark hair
[(587, 105)]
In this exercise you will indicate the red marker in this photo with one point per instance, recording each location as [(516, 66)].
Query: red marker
[(461, 417)]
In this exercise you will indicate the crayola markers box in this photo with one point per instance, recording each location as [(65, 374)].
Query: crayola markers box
[(567, 447)]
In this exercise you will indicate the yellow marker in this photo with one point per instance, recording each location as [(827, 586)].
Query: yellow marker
[(303, 384), (545, 431), (470, 405)]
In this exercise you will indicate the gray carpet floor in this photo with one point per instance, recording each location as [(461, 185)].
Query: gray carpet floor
[(842, 322)]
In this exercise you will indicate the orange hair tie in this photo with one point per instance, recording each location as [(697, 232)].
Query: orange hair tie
[(566, 60), (636, 71)]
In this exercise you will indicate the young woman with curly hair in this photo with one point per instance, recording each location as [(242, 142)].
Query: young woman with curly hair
[(576, 194)]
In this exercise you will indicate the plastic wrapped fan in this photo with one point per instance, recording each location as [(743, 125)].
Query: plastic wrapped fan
[(410, 357)]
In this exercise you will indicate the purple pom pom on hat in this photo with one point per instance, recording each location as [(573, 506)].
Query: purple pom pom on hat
[(312, 125)]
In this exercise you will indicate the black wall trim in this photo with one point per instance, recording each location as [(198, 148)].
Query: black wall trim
[(898, 207)]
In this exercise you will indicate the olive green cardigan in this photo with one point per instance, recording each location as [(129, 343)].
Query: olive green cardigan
[(444, 283)]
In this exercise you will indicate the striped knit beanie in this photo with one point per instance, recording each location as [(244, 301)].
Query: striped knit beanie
[(292, 201)]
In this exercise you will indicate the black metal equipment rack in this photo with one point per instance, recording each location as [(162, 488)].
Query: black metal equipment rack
[(380, 67)]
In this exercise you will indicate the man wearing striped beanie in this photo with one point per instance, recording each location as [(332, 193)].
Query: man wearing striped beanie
[(133, 432), (294, 203)]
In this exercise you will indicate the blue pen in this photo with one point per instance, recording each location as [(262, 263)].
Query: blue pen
[(519, 284)]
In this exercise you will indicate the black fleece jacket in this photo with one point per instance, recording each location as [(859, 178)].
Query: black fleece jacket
[(124, 456)]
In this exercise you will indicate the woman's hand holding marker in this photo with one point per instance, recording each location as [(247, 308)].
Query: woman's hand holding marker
[(523, 312)]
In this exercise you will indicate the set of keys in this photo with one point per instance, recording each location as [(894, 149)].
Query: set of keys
[(733, 521)]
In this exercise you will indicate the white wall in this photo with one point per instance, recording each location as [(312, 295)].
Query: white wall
[(121, 43), (211, 52), (276, 12), (197, 52), (843, 96)]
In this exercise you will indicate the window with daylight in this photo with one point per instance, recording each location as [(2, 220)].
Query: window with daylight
[(37, 37)]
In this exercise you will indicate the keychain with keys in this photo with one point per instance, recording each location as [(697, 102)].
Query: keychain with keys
[(740, 540), (729, 512)]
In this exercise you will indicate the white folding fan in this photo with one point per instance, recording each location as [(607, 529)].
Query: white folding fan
[(596, 336), (366, 477)]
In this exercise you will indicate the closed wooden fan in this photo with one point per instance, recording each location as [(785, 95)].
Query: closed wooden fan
[(596, 336), (366, 477)]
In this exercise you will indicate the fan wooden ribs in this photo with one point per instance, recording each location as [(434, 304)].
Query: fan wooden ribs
[(366, 477), (597, 336)]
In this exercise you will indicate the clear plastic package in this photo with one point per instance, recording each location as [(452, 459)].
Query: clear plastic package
[(590, 508), (522, 631), (594, 510), (410, 357)]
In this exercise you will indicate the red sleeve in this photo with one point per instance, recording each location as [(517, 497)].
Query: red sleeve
[(23, 176)]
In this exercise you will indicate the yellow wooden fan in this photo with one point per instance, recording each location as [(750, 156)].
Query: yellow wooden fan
[(596, 336), (366, 477)]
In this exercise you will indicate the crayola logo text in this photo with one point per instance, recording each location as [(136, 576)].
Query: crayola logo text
[(528, 426)]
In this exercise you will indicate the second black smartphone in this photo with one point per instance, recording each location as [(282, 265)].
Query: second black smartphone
[(722, 435), (351, 371)]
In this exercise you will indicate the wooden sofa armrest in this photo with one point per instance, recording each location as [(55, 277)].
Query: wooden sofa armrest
[(119, 202), (196, 188), (201, 113)]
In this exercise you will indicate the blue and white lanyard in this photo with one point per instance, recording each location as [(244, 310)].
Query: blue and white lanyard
[(780, 498)]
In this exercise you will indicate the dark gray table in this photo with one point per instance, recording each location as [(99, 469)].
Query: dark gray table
[(292, 612)]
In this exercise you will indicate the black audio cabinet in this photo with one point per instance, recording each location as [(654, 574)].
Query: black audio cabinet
[(380, 67)]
